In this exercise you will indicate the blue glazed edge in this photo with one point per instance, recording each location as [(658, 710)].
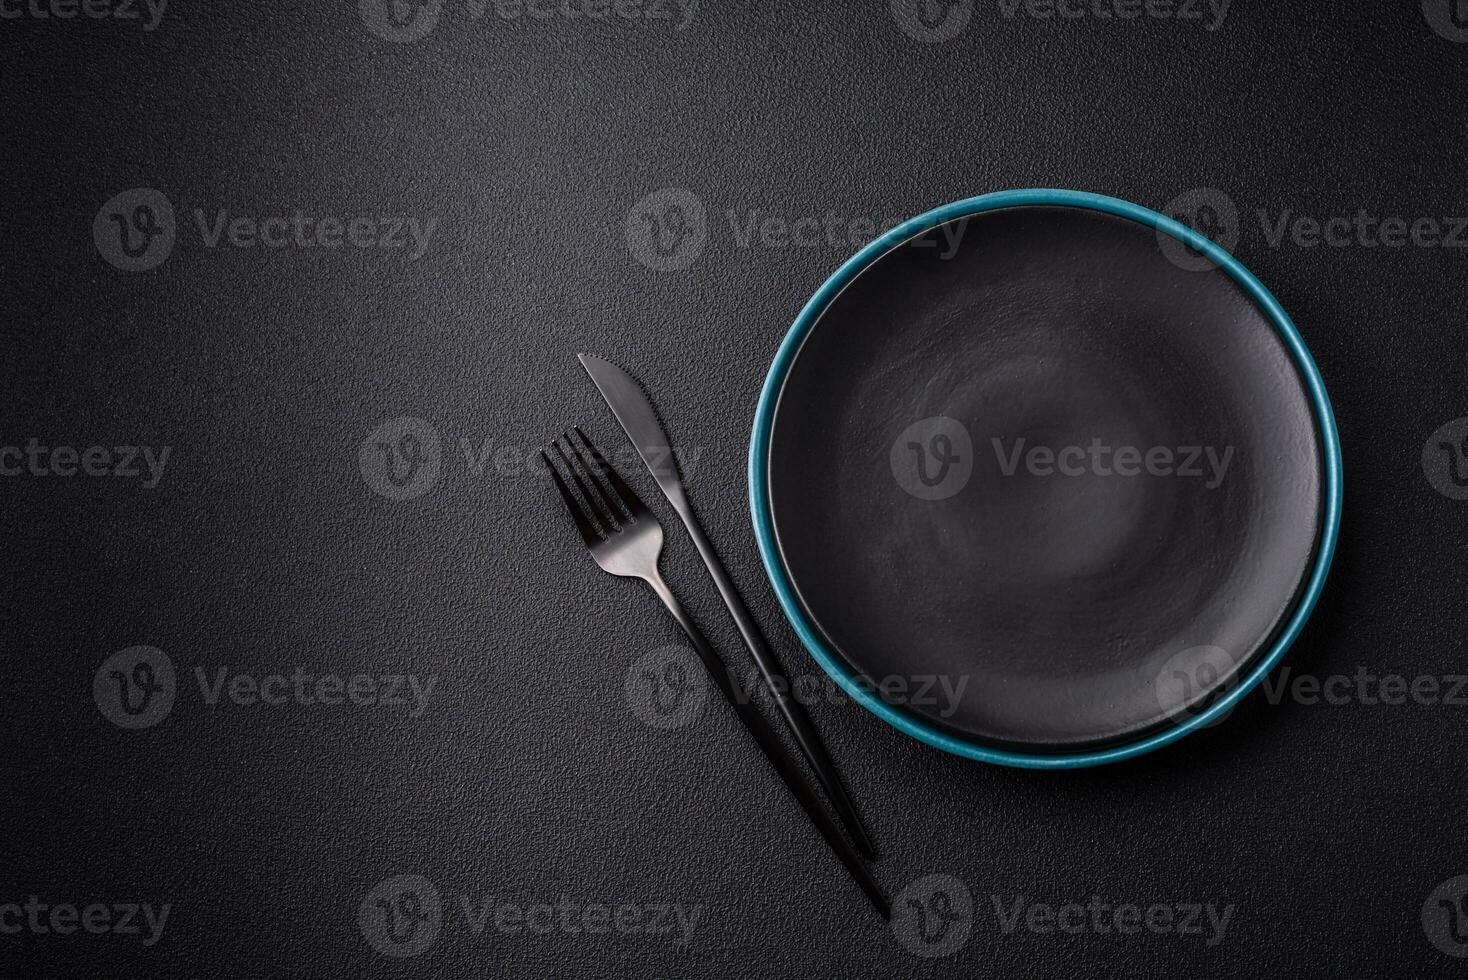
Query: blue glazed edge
[(764, 418)]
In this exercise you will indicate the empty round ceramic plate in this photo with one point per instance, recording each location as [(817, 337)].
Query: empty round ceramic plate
[(1045, 478)]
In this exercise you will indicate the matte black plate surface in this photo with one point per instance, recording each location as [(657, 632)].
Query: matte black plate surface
[(1043, 484)]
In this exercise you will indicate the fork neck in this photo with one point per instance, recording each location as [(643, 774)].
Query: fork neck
[(695, 636), (654, 579)]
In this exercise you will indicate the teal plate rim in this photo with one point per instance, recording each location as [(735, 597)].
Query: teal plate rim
[(764, 529)]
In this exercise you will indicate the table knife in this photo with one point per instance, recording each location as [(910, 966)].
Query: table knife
[(639, 420)]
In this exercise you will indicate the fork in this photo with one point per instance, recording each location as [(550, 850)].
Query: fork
[(625, 539)]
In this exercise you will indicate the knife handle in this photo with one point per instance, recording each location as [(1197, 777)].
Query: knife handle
[(776, 681), (775, 751)]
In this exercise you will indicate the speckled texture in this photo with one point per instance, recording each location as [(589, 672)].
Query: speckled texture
[(528, 777)]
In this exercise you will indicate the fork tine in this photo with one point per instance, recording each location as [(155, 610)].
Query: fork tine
[(630, 500), (584, 523), (607, 499), (607, 516)]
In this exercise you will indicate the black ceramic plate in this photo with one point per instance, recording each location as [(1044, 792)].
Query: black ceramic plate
[(1043, 481)]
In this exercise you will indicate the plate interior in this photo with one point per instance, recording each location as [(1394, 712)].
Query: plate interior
[(1042, 481)]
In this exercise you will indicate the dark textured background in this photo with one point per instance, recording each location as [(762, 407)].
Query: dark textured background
[(528, 777)]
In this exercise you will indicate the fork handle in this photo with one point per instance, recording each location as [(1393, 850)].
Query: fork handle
[(774, 750)]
